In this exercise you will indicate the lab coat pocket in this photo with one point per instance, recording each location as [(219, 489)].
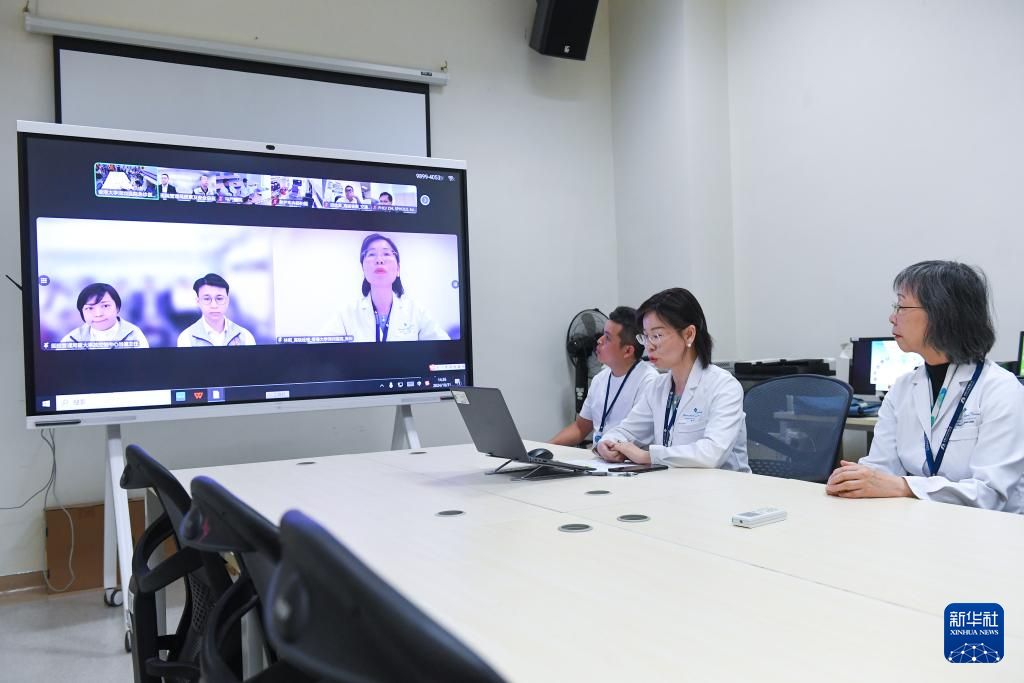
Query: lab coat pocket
[(964, 434), (688, 432)]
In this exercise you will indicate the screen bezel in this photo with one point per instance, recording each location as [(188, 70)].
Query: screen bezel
[(36, 420)]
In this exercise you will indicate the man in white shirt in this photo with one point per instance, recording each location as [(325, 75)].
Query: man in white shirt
[(214, 328), (615, 389)]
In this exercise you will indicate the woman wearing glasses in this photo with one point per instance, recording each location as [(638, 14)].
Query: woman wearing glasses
[(385, 312), (952, 430), (692, 415)]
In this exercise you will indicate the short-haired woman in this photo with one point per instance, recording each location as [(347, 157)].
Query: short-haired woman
[(952, 430), (99, 305), (691, 416)]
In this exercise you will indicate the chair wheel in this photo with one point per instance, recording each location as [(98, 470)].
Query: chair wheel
[(128, 641), (112, 597)]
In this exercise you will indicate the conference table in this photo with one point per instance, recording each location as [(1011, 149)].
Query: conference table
[(842, 590)]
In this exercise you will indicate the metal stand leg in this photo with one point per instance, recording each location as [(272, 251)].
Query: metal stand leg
[(405, 435), (117, 529)]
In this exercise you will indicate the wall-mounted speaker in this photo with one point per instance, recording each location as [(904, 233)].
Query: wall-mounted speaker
[(561, 28)]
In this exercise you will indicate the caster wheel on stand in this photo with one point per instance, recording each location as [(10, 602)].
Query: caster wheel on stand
[(112, 597)]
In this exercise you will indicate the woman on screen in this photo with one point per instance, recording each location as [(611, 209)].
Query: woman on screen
[(690, 416), (385, 312), (952, 430), (100, 305)]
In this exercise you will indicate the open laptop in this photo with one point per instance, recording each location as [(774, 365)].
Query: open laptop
[(494, 433)]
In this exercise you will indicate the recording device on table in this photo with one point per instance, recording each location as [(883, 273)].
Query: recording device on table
[(758, 517), (494, 433)]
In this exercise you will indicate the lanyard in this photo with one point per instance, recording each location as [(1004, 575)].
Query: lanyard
[(670, 413), (942, 395), (935, 462), (608, 390), (381, 324)]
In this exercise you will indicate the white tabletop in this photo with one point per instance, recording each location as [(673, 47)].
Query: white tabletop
[(841, 590)]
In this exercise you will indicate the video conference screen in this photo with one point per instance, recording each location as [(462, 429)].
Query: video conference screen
[(158, 276), (877, 363)]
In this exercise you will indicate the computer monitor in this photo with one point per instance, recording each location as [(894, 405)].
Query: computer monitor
[(877, 362), (1020, 356)]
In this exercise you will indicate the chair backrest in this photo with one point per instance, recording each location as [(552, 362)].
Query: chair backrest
[(219, 522), (141, 471), (204, 575), (795, 426), (330, 615)]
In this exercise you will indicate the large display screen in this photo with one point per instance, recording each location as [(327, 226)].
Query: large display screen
[(174, 272)]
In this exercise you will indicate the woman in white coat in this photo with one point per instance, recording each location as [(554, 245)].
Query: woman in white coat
[(690, 416), (952, 430), (385, 312)]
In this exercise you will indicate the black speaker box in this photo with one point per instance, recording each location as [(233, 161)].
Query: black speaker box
[(561, 28)]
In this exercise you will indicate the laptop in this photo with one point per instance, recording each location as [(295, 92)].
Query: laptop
[(494, 433)]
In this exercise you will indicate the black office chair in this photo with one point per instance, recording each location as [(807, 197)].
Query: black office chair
[(205, 577), (219, 522), (795, 426), (332, 617)]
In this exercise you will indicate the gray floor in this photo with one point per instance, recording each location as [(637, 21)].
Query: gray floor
[(72, 637)]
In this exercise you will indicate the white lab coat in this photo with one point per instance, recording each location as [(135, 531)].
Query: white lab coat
[(408, 321), (710, 429), (984, 462)]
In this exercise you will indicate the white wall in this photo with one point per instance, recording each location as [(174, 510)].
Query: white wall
[(868, 135), (535, 133), (671, 144)]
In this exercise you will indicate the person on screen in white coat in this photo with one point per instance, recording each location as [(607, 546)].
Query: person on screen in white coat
[(385, 312), (951, 431), (691, 416), (616, 388)]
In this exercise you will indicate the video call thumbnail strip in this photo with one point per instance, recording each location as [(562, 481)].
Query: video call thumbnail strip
[(132, 181)]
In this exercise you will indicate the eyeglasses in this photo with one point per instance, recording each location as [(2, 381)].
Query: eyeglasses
[(220, 299), (897, 309), (651, 339), (384, 254)]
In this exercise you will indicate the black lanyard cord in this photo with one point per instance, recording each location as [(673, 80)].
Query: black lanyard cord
[(671, 407), (608, 390)]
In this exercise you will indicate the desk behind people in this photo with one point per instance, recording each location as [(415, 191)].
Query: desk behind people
[(537, 604)]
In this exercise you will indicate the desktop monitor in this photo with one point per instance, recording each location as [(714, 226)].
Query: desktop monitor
[(1020, 356), (877, 362), (169, 276)]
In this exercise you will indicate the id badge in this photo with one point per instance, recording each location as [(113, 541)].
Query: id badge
[(597, 437)]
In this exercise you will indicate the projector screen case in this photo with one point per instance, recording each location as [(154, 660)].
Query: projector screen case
[(160, 221)]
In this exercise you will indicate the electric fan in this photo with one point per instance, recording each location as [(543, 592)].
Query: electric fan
[(580, 343)]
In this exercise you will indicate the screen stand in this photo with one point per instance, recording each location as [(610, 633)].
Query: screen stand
[(117, 529), (405, 435)]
